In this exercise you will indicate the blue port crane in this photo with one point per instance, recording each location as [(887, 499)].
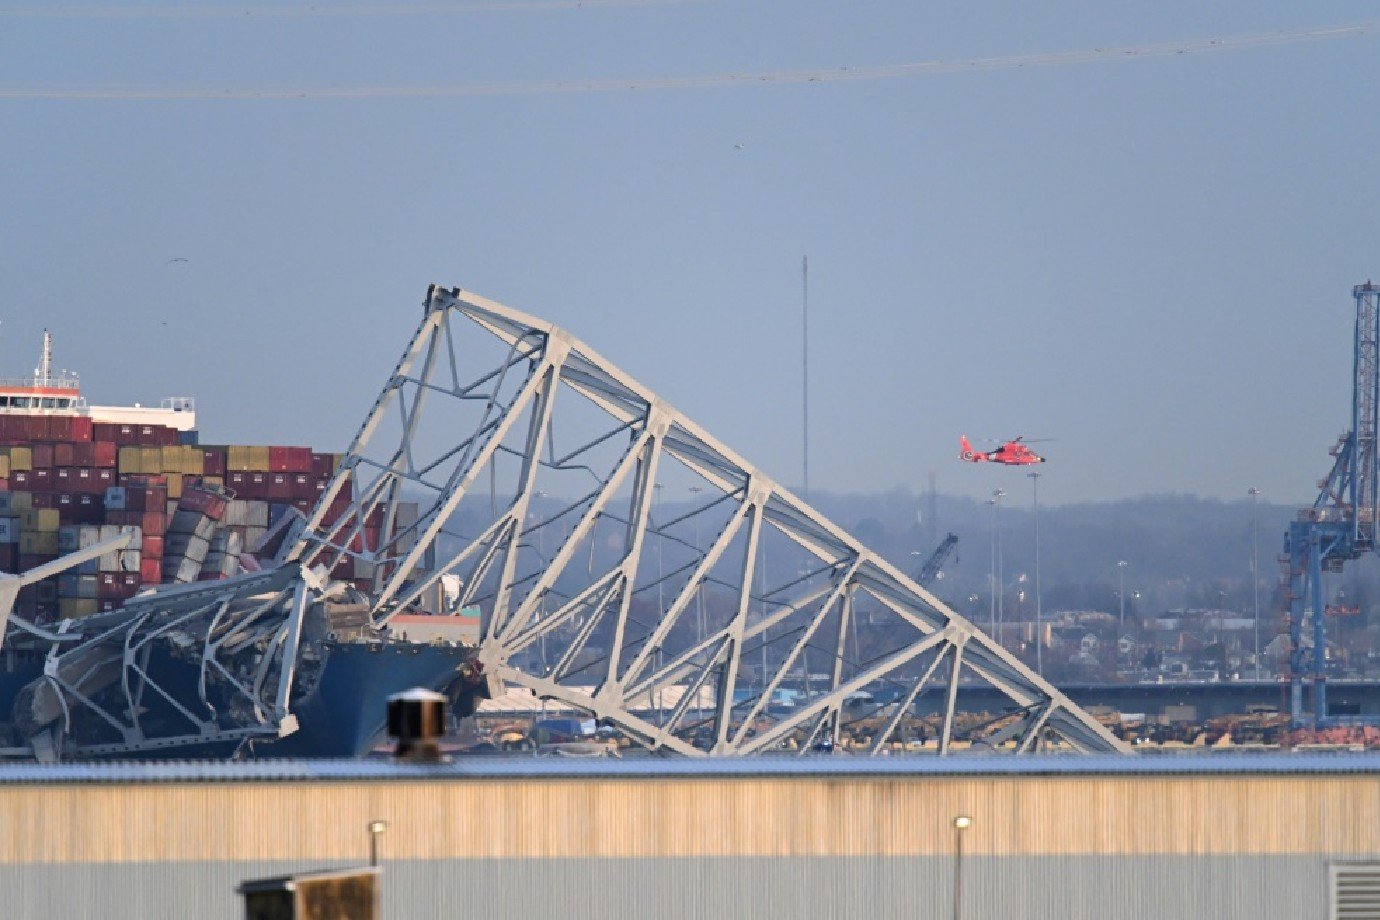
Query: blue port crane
[(1344, 521)]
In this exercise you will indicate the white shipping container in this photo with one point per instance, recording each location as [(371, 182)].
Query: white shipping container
[(236, 513), (185, 546), (183, 573)]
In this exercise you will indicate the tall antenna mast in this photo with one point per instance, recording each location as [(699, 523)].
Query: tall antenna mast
[(45, 361), (805, 368)]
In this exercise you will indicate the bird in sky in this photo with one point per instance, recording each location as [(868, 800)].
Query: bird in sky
[(178, 259)]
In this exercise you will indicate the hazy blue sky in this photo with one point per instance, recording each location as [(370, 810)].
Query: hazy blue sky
[(1149, 259)]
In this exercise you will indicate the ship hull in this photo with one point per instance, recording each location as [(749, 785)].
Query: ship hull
[(345, 715)]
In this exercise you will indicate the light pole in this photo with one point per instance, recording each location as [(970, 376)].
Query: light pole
[(698, 592), (992, 575), (541, 601), (1254, 493), (961, 824), (376, 830), (1121, 596), (1001, 587), (1039, 611), (660, 589)]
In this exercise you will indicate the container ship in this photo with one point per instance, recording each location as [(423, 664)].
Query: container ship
[(73, 475)]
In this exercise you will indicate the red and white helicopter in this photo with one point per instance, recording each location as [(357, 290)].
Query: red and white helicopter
[(1011, 453)]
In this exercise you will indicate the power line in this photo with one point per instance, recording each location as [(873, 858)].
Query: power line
[(712, 81), (304, 10)]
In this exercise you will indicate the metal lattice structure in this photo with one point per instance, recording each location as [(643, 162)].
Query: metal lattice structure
[(628, 564), (1344, 522), (207, 666)]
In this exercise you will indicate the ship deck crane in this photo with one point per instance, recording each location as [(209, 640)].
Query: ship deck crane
[(1344, 521)]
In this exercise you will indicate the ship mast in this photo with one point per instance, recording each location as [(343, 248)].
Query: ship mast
[(44, 374)]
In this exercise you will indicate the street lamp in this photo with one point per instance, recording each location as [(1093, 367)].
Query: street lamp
[(1039, 612), (961, 824), (999, 494), (1254, 493), (1121, 596), (376, 830), (995, 502), (699, 587)]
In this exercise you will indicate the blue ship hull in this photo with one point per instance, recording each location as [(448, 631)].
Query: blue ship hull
[(345, 715)]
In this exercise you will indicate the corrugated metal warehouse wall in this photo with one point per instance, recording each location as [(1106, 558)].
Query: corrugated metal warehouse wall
[(660, 839)]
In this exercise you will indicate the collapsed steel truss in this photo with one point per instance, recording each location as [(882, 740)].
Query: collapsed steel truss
[(215, 663), (543, 482)]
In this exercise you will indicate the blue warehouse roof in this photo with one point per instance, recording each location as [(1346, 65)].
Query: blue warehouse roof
[(520, 768)]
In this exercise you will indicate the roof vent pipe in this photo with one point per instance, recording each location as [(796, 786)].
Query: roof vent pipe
[(417, 717)]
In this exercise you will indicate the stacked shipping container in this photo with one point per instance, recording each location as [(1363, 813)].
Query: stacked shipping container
[(67, 483)]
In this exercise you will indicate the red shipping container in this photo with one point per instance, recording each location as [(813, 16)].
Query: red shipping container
[(43, 456), (4, 484), (102, 431), (104, 453), (107, 588), (80, 452), (303, 487), (90, 509), (44, 500), (150, 571), (82, 428), (62, 454), (207, 503), (20, 480), (322, 465), (152, 548), (60, 427), (341, 494), (41, 480), (213, 461), (64, 479), (34, 560), (38, 428), (279, 487), (304, 505)]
